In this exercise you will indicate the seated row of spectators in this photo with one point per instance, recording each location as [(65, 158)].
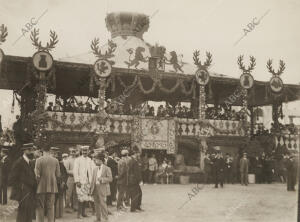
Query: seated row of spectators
[(223, 114)]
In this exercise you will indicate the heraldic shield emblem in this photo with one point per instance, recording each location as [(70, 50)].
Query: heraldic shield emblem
[(202, 76), (42, 61), (276, 84), (247, 81), (102, 68)]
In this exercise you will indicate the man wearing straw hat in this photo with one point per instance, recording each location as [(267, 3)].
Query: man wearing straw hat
[(82, 171), (23, 182), (100, 188)]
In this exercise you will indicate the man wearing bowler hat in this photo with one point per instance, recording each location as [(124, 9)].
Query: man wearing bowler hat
[(23, 182), (47, 173)]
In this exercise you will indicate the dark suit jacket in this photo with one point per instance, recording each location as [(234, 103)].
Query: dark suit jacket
[(4, 171), (22, 179), (122, 172), (113, 166), (244, 165), (47, 172), (134, 172)]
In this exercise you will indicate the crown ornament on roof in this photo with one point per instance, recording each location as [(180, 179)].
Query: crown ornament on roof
[(127, 24), (157, 51)]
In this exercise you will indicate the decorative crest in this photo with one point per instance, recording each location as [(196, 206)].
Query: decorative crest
[(38, 44), (198, 63), (108, 53), (3, 33), (250, 67), (280, 70)]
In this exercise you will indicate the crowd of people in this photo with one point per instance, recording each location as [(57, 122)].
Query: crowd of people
[(260, 129), (219, 169), (47, 183), (120, 109), (154, 171), (117, 108), (223, 114)]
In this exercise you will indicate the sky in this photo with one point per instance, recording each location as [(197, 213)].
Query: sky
[(182, 26)]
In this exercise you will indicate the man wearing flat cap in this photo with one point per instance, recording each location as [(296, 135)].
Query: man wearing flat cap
[(82, 171), (23, 182), (100, 189), (47, 171)]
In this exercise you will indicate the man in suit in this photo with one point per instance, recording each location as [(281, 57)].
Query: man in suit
[(244, 165), (219, 168), (207, 168), (82, 171), (134, 180), (4, 172), (23, 182), (122, 180), (100, 188), (291, 173), (70, 193), (47, 173), (228, 168), (113, 165)]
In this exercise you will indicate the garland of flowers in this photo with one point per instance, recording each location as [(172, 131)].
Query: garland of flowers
[(151, 90), (188, 92), (130, 85), (178, 83)]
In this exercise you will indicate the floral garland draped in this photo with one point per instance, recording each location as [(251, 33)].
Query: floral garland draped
[(157, 82)]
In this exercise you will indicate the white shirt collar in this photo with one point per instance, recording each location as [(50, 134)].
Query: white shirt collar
[(26, 158)]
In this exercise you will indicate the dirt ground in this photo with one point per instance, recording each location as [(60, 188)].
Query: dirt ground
[(192, 203)]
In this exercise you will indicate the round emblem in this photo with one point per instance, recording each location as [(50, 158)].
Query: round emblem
[(154, 129), (1, 55), (102, 68), (42, 61), (276, 84), (247, 81), (202, 76)]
